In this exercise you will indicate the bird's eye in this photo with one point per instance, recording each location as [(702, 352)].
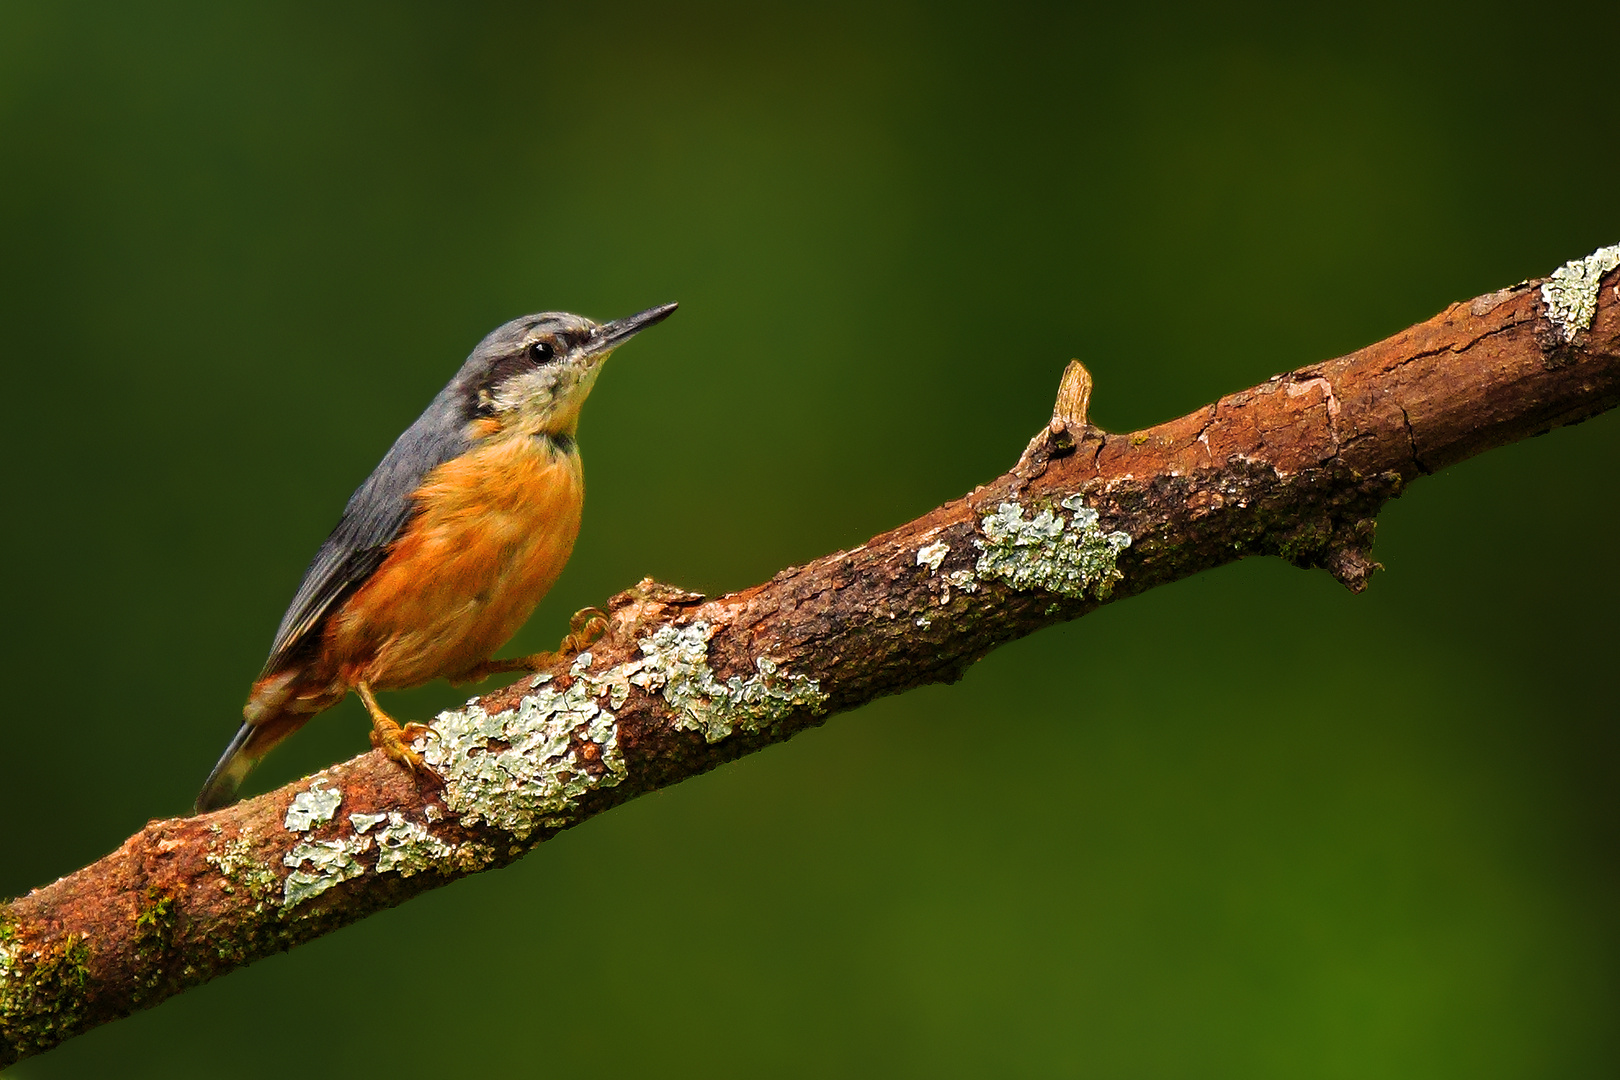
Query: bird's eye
[(542, 351)]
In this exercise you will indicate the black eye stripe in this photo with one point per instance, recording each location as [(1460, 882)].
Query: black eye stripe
[(525, 360), (506, 367)]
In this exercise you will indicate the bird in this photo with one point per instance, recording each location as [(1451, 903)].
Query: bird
[(444, 551)]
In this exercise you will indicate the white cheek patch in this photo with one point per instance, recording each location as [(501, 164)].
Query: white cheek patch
[(534, 390)]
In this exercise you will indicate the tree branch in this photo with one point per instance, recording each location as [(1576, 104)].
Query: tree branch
[(1296, 467)]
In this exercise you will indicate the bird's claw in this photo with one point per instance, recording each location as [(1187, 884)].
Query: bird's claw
[(395, 741), (584, 629)]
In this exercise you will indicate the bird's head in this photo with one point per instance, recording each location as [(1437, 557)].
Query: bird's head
[(531, 375)]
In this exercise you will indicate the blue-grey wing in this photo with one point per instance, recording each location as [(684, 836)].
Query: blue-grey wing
[(375, 516)]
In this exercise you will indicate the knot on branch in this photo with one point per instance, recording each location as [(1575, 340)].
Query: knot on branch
[(1339, 547), (1068, 426), (1350, 567), (646, 602)]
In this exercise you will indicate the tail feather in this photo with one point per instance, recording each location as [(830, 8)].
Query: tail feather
[(252, 742)]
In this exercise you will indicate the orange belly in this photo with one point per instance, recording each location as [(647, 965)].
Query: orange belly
[(492, 532)]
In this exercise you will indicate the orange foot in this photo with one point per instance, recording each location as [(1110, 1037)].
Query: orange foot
[(584, 630), (392, 738)]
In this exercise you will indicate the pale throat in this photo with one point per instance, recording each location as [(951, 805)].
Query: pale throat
[(548, 408)]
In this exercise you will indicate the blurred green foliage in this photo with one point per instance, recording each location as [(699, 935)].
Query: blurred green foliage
[(1244, 826)]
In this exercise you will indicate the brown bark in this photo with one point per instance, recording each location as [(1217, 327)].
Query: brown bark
[(1296, 467)]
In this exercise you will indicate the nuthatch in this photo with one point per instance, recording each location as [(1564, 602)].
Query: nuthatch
[(444, 551)]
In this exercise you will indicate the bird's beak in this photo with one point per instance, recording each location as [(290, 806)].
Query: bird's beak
[(610, 336)]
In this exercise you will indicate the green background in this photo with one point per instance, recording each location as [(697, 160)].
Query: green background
[(1247, 825)]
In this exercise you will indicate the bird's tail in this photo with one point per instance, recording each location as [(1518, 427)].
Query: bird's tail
[(255, 739)]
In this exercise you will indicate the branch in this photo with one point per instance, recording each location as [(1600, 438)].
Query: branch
[(1296, 467)]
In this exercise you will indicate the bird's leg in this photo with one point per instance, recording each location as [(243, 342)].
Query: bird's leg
[(587, 625), (389, 736)]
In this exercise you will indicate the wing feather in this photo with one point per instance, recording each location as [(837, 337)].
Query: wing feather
[(373, 519)]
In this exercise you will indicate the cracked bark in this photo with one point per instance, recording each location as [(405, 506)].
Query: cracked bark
[(1297, 467)]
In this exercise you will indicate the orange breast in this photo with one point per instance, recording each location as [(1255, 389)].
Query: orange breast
[(492, 532)]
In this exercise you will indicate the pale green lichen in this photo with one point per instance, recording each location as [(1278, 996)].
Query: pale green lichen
[(406, 847), (931, 555), (537, 776), (330, 862), (1571, 293), (1046, 552), (241, 868), (403, 847), (675, 663), (964, 581), (362, 823), (313, 807), (533, 780), (527, 767)]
